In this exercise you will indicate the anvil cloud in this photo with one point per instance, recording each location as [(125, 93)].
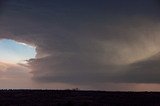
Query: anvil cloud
[(87, 42)]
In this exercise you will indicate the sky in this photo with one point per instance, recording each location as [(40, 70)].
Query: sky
[(15, 52), (97, 45)]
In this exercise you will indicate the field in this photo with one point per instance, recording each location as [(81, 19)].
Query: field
[(77, 98)]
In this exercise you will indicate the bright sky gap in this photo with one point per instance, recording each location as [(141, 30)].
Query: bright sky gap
[(15, 52)]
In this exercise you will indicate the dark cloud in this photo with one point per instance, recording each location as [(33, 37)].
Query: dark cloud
[(146, 71), (87, 42)]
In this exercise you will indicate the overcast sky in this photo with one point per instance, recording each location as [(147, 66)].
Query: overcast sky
[(89, 44)]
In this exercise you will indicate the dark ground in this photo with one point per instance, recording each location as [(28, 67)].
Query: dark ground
[(77, 98)]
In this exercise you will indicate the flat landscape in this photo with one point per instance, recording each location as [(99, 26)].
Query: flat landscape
[(77, 98)]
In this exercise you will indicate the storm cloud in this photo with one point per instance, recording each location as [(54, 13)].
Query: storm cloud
[(87, 42)]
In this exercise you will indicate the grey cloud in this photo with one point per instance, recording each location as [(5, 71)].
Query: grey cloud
[(83, 44), (69, 69), (146, 71)]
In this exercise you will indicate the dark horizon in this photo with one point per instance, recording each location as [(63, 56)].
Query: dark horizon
[(77, 98)]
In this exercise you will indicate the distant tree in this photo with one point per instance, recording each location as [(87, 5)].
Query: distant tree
[(75, 89)]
